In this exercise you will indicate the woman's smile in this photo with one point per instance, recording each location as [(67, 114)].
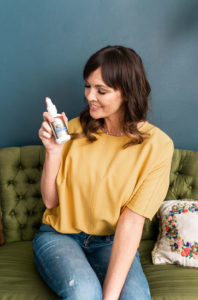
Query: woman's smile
[(94, 107)]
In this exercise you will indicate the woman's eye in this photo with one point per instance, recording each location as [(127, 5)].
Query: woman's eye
[(88, 86), (101, 93)]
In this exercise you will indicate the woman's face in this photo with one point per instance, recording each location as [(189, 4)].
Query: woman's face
[(108, 102)]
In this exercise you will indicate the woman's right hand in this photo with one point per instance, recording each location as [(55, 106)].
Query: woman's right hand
[(46, 135)]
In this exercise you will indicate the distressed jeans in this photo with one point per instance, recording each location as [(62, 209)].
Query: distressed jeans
[(74, 265)]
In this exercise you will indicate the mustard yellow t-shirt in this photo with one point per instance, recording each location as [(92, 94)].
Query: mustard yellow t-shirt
[(96, 181)]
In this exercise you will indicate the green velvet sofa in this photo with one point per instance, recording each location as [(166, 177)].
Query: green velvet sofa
[(21, 209)]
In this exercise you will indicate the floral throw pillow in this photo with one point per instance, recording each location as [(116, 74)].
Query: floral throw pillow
[(177, 242)]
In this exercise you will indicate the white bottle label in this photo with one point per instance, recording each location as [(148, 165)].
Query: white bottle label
[(59, 128)]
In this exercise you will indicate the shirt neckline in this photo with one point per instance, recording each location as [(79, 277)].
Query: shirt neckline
[(143, 127)]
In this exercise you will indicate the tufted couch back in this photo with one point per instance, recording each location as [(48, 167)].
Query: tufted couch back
[(21, 205)]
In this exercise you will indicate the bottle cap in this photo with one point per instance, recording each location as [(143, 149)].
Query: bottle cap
[(51, 108)]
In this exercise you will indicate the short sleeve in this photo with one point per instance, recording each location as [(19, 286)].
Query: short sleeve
[(154, 188)]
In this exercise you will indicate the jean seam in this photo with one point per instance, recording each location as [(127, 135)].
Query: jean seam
[(95, 273), (44, 267)]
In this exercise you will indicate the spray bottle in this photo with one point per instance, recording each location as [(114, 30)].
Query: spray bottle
[(59, 127)]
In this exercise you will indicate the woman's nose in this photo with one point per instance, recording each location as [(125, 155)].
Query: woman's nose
[(90, 95)]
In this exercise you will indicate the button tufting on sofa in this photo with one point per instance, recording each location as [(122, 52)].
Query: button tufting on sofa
[(190, 187), (19, 199), (177, 173)]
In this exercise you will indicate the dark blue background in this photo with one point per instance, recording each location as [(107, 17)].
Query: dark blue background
[(45, 44)]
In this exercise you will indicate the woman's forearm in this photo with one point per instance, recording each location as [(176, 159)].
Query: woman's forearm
[(126, 241), (48, 179)]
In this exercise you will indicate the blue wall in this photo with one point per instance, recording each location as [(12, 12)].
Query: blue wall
[(45, 44)]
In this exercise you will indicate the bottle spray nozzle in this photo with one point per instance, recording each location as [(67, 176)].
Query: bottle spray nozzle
[(51, 108), (49, 101)]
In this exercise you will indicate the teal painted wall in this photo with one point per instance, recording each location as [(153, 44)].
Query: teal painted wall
[(45, 44)]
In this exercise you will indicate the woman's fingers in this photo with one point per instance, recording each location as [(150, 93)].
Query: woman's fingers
[(46, 134), (48, 117), (45, 130), (46, 127)]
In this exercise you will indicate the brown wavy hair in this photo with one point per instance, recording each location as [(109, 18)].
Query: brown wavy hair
[(122, 69)]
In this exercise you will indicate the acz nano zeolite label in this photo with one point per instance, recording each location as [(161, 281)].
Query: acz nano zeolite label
[(59, 128)]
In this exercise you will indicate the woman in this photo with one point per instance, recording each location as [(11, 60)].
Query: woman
[(99, 187)]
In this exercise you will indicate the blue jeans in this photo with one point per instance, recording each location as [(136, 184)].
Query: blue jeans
[(74, 265)]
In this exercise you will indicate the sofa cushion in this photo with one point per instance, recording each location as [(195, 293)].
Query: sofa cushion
[(19, 277), (167, 282)]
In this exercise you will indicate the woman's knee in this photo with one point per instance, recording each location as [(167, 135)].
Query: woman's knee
[(65, 268), (75, 287), (78, 288)]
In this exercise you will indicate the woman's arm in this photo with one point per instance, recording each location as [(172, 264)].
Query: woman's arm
[(53, 155), (48, 179), (126, 242)]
